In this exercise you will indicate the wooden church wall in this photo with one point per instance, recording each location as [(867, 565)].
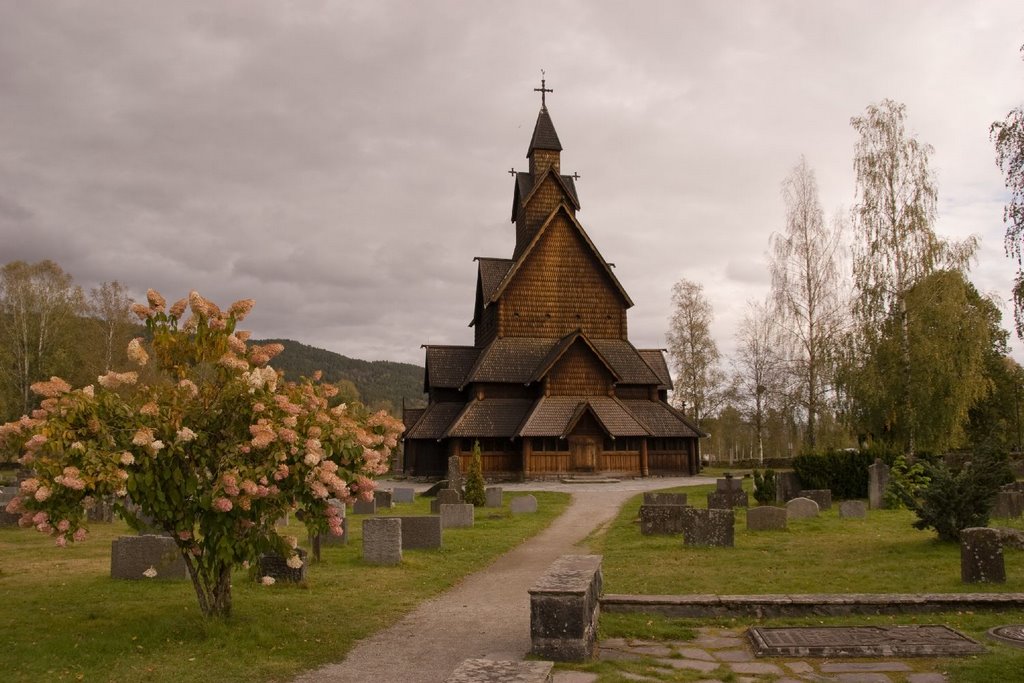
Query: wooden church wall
[(560, 289), (579, 373)]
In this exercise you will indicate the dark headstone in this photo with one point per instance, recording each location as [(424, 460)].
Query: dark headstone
[(658, 498), (421, 532), (727, 500), (878, 481), (383, 499), (146, 557), (330, 539), (101, 510), (382, 540), (728, 483), (709, 527), (445, 497), (981, 556), (276, 567), (1009, 504), (823, 497), (455, 473), (7, 494), (661, 520), (365, 507), (787, 486), (766, 518), (564, 608)]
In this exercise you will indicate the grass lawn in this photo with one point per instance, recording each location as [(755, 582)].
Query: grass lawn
[(64, 618), (882, 554)]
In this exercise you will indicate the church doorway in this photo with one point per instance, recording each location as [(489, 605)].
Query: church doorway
[(583, 453)]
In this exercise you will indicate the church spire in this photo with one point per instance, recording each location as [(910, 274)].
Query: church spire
[(544, 145)]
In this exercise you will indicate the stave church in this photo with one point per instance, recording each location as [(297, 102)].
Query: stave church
[(551, 385)]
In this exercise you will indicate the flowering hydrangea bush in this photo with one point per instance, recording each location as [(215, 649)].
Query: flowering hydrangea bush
[(211, 447)]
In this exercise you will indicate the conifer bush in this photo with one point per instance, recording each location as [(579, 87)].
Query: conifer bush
[(474, 492), (764, 487)]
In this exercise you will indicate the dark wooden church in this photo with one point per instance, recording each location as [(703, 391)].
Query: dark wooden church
[(551, 385)]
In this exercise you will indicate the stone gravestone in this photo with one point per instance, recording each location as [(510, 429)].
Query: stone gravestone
[(365, 507), (766, 518), (853, 509), (383, 499), (493, 496), (523, 504), (455, 473), (404, 495), (1008, 504), (421, 532), (661, 520), (709, 527), (787, 486), (456, 515), (564, 606), (101, 510), (981, 556), (445, 497), (276, 567), (801, 508), (330, 539), (823, 497), (878, 481), (658, 498), (382, 540), (146, 557), (728, 494), (7, 494)]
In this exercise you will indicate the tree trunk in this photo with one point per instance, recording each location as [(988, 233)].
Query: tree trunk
[(905, 371)]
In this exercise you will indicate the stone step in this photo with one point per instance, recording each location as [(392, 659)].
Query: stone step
[(493, 671)]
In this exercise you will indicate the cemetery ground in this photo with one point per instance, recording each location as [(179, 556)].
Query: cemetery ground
[(880, 554), (64, 618)]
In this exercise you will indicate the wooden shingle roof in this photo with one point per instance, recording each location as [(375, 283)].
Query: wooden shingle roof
[(490, 418), (492, 271), (448, 366), (655, 359), (511, 360), (526, 184), (661, 419), (556, 415), (631, 367), (563, 345), (544, 135), (410, 416), (435, 421)]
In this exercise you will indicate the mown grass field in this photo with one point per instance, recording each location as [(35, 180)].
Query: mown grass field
[(62, 618)]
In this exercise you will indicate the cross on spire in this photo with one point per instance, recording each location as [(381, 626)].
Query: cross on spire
[(512, 171), (542, 90)]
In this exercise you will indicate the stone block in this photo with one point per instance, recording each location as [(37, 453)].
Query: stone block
[(364, 507), (330, 539), (766, 518), (727, 500), (492, 671), (132, 556), (981, 556), (421, 532), (445, 497), (787, 486), (801, 508), (276, 567), (383, 499), (455, 480), (1008, 504), (709, 527), (878, 482), (564, 607), (493, 496), (661, 520), (823, 497), (523, 504), (456, 515), (729, 483), (658, 498), (404, 495), (853, 509), (101, 510), (382, 540), (7, 494)]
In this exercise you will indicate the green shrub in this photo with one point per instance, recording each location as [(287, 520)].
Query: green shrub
[(475, 479), (949, 499), (764, 487)]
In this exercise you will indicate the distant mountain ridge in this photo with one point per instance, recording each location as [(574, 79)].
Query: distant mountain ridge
[(377, 381)]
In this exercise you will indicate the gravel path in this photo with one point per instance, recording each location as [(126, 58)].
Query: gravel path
[(487, 614)]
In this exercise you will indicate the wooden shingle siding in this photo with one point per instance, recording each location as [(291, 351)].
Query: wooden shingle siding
[(549, 463), (579, 373), (621, 462)]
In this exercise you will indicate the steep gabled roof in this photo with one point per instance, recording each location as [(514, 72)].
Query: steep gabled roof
[(561, 208), (525, 187), (544, 135), (627, 361), (490, 418), (511, 360), (661, 419), (559, 350), (448, 366), (491, 272), (556, 416), (435, 420), (655, 359), (410, 416)]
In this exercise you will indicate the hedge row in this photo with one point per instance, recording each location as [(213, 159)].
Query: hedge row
[(845, 473)]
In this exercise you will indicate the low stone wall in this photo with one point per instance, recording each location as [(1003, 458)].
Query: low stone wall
[(801, 605), (564, 606)]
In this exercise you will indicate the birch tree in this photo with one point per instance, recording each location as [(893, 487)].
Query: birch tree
[(804, 268), (895, 246), (1008, 136), (758, 367), (693, 352), (110, 305)]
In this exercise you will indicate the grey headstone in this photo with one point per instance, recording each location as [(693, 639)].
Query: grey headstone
[(404, 495), (727, 484), (855, 509), (564, 605), (709, 527), (727, 500), (493, 671), (1008, 505), (382, 540), (330, 539), (383, 499), (102, 510), (364, 507), (659, 498), (131, 556), (787, 486), (801, 508), (456, 515), (823, 497), (276, 567), (455, 473), (493, 497), (7, 494), (878, 481), (981, 556), (421, 532), (766, 518), (445, 497), (661, 520), (523, 504)]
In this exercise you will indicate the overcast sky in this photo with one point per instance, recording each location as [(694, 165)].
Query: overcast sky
[(343, 162)]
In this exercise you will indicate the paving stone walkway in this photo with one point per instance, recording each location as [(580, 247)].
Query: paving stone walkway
[(719, 654)]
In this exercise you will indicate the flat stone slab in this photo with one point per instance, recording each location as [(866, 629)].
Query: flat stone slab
[(861, 641), (492, 671), (1008, 635)]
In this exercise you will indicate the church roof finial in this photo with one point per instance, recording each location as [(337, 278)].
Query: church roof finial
[(543, 90)]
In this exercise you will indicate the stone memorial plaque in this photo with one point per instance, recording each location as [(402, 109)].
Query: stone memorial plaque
[(862, 641), (1008, 635)]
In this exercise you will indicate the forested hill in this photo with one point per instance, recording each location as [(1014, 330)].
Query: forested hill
[(377, 382)]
